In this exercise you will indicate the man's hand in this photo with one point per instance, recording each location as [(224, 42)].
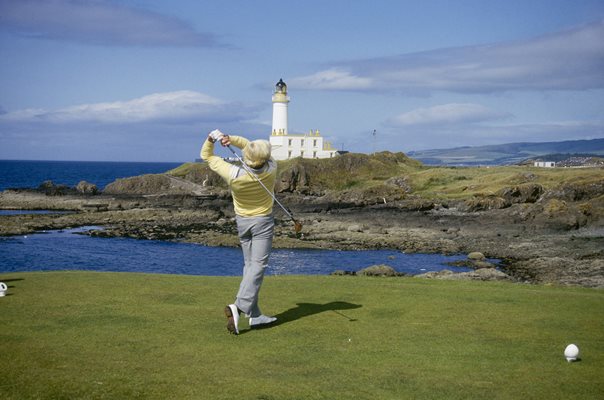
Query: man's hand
[(225, 140), (215, 135)]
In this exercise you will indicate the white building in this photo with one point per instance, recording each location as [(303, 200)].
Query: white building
[(285, 145), (545, 164)]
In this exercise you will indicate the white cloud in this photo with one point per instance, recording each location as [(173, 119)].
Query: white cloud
[(454, 113), (567, 60), (179, 106), (160, 127), (335, 78), (98, 22)]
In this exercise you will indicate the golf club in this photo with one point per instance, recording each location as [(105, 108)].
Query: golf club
[(297, 224)]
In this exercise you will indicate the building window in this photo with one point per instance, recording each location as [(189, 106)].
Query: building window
[(289, 142), (302, 154), (314, 154), (302, 143), (289, 154), (314, 143)]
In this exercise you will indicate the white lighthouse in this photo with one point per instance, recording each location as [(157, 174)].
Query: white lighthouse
[(285, 145), (280, 101)]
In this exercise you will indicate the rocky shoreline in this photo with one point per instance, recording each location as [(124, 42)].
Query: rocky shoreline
[(536, 243)]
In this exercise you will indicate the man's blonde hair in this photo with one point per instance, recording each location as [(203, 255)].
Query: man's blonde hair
[(256, 153)]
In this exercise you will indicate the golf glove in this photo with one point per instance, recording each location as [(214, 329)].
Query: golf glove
[(216, 135)]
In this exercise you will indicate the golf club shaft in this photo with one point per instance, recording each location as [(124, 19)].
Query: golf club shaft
[(249, 171)]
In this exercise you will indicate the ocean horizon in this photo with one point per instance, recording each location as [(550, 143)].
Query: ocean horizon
[(29, 174)]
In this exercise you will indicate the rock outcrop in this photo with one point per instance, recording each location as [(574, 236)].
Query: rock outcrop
[(293, 179), (505, 197), (86, 188), (524, 193), (485, 274), (155, 184), (49, 188), (379, 270)]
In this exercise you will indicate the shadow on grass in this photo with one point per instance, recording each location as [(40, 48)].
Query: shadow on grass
[(307, 309), (10, 286)]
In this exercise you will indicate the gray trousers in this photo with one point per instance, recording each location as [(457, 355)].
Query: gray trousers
[(256, 237)]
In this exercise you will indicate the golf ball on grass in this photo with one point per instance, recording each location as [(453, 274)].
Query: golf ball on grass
[(571, 352)]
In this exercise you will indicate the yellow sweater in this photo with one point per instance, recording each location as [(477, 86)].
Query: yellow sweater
[(249, 197)]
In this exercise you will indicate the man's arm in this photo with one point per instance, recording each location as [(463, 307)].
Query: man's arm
[(215, 163), (238, 141)]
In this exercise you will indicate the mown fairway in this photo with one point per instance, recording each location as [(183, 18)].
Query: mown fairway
[(82, 335)]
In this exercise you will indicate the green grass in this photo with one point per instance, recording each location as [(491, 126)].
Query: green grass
[(84, 335), (465, 182)]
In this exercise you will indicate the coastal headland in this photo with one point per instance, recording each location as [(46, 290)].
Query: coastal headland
[(546, 225)]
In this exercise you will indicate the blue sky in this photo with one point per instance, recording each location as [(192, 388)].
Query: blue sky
[(138, 80)]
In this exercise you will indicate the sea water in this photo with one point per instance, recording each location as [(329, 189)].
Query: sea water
[(31, 212), (71, 250), (30, 174)]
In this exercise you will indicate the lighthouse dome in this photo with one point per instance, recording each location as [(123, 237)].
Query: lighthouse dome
[(281, 87)]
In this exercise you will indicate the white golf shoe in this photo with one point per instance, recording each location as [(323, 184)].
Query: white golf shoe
[(255, 322), (232, 313)]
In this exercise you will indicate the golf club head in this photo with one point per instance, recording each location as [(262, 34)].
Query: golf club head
[(297, 226)]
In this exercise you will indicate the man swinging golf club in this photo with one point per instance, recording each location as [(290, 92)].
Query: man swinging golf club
[(251, 185)]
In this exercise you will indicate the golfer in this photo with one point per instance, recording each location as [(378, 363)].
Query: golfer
[(253, 208)]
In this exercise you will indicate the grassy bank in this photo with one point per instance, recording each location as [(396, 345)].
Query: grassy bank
[(115, 335), (464, 182), (361, 172)]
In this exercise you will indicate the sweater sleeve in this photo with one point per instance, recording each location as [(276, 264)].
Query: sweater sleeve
[(215, 163), (238, 141)]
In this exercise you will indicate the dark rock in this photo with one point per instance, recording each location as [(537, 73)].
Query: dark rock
[(294, 179), (524, 193), (576, 192), (443, 274), (503, 198), (478, 264), (50, 189), (485, 274), (379, 270), (475, 264), (86, 188), (561, 270), (476, 255), (341, 272), (560, 215)]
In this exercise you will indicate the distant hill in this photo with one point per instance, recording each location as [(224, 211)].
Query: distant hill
[(505, 154)]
